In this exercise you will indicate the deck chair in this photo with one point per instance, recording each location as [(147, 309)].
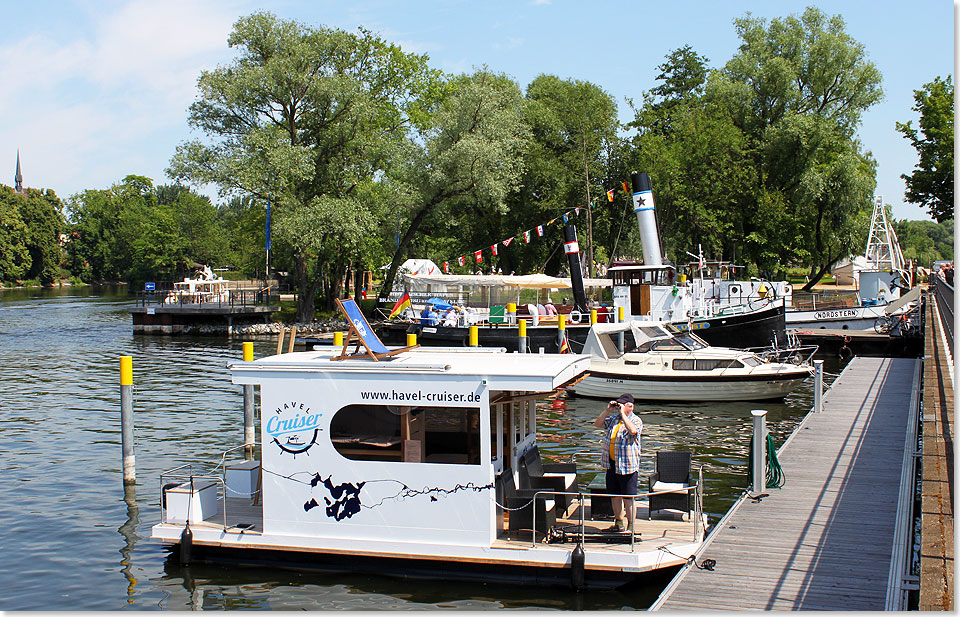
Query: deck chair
[(520, 504), (672, 472), (561, 477), (359, 327)]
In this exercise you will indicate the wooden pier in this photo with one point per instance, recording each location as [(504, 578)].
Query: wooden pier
[(833, 537)]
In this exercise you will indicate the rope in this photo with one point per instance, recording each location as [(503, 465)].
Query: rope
[(775, 475)]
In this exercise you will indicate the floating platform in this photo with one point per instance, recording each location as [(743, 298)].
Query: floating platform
[(205, 318)]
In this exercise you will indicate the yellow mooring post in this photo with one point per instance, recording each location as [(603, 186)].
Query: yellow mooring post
[(249, 436), (561, 332), (522, 341), (411, 339), (593, 316), (511, 312), (338, 339), (126, 420), (474, 336)]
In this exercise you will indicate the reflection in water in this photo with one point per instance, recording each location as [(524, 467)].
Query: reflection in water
[(129, 532), (64, 391)]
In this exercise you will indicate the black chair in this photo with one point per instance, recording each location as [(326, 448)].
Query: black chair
[(521, 504), (560, 477), (673, 468)]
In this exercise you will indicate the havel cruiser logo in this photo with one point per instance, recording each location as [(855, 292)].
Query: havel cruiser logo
[(294, 427)]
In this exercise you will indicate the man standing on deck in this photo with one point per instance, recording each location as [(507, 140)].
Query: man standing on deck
[(621, 456)]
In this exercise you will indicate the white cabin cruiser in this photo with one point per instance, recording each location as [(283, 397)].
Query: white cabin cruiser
[(661, 363), (424, 464)]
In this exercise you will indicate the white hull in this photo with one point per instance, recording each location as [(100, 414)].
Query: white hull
[(852, 318), (693, 389)]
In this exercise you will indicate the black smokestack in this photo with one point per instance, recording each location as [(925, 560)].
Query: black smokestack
[(572, 248)]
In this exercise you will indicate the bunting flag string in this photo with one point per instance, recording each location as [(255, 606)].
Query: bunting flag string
[(527, 235)]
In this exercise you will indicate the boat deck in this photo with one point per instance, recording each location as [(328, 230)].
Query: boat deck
[(649, 535)]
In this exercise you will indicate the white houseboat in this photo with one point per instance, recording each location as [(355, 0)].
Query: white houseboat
[(424, 464)]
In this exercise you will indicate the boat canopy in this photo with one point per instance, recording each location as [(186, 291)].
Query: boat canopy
[(600, 343)]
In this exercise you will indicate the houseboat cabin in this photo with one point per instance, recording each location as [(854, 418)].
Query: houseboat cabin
[(422, 464)]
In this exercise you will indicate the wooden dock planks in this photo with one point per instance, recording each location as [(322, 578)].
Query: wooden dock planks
[(824, 540)]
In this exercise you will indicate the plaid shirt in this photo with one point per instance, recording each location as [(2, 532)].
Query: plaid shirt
[(627, 446)]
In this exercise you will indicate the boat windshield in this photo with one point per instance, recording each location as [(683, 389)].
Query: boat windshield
[(690, 341)]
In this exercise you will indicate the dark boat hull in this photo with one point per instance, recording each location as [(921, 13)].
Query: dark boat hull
[(756, 329)]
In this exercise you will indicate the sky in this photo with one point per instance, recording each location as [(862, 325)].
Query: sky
[(95, 90)]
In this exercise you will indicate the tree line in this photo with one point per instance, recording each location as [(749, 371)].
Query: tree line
[(367, 155)]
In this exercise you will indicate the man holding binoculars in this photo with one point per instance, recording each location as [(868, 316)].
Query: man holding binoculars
[(621, 456)]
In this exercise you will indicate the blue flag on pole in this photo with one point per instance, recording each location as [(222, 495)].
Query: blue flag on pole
[(268, 225)]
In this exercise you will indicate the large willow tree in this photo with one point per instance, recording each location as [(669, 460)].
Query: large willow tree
[(305, 117)]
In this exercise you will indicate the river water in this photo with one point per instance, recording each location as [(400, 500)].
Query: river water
[(73, 539)]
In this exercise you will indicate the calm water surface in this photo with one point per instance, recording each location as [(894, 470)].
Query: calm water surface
[(73, 540)]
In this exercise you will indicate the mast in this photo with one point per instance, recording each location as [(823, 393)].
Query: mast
[(883, 249)]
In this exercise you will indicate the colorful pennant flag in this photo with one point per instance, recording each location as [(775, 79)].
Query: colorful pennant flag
[(610, 195), (508, 241), (564, 217), (578, 210), (461, 260), (626, 189), (540, 230), (493, 249), (526, 236), (478, 255), (564, 348), (446, 267), (402, 303)]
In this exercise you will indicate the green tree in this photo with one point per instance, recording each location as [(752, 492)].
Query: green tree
[(464, 160), (14, 253), (42, 215), (799, 87), (925, 241), (931, 183), (307, 118)]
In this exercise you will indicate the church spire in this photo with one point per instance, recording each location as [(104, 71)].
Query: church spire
[(18, 179)]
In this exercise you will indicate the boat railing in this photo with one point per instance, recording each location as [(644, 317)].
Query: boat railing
[(179, 478), (699, 528), (228, 298)]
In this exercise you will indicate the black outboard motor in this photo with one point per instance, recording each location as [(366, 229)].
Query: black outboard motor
[(572, 248)]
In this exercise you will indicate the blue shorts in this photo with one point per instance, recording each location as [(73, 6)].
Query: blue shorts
[(621, 484)]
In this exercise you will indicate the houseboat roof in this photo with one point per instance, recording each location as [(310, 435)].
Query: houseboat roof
[(501, 370)]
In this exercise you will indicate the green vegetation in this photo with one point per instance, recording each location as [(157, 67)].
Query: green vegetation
[(368, 156)]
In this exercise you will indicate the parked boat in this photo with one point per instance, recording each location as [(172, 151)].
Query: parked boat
[(203, 287), (424, 464), (662, 363)]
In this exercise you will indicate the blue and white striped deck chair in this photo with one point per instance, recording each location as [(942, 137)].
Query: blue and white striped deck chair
[(359, 326)]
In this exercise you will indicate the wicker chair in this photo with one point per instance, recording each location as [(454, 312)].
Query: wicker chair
[(561, 477), (673, 468), (521, 503)]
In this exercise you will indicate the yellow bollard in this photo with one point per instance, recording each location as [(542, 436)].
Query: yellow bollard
[(126, 370), (126, 420), (249, 427), (474, 336), (523, 328), (561, 322), (620, 314), (411, 340), (338, 339), (593, 316)]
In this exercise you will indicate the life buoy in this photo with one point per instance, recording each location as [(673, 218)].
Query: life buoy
[(575, 316)]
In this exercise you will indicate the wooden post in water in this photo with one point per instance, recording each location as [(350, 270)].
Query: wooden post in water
[(522, 341), (817, 386), (759, 469), (126, 420), (293, 335), (283, 332), (249, 436)]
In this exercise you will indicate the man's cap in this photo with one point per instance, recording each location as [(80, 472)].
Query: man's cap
[(625, 398)]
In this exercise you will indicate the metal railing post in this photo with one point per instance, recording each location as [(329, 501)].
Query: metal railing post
[(759, 468), (817, 386)]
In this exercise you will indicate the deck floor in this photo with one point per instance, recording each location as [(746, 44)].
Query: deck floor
[(824, 540), (667, 526)]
